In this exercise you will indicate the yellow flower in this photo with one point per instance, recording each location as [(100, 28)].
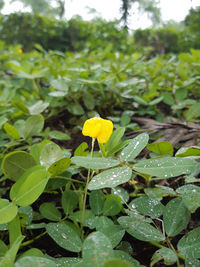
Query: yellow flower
[(98, 128), (19, 51)]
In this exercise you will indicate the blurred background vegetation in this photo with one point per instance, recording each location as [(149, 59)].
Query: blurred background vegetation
[(45, 25)]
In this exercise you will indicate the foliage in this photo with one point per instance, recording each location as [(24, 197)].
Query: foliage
[(51, 33), (85, 202)]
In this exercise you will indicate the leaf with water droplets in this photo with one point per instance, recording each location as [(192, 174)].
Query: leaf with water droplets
[(69, 201), (96, 201), (64, 236), (117, 263), (120, 192), (166, 167), (189, 244), (175, 216), (34, 262), (112, 205), (65, 261), (140, 229), (127, 257), (148, 206), (166, 254), (110, 178), (94, 163), (49, 154), (192, 263), (97, 248), (115, 233), (135, 146)]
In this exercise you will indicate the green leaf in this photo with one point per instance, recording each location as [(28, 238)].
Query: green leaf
[(29, 186), (33, 126), (117, 148), (94, 163), (80, 150), (110, 178), (97, 248), (135, 146), (38, 107), (69, 201), (112, 205), (115, 233), (3, 248), (127, 257), (117, 263), (34, 261), (49, 154), (188, 151), (14, 229), (64, 236), (66, 261), (49, 211), (96, 201), (11, 131), (59, 135), (192, 263), (175, 216), (101, 222), (140, 229), (59, 166), (60, 84), (193, 111), (140, 100), (75, 109), (16, 163), (166, 254), (148, 206), (31, 252), (88, 100), (189, 244), (120, 192), (9, 257), (115, 138), (191, 200), (8, 211), (166, 167), (161, 148), (89, 219)]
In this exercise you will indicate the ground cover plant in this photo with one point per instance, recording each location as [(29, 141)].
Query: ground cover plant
[(116, 193)]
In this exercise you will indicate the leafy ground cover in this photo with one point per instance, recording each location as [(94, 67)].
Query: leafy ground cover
[(67, 200)]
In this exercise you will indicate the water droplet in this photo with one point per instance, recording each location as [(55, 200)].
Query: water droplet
[(64, 235)]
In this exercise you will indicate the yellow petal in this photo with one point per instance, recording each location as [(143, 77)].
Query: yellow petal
[(92, 127), (106, 131), (98, 128)]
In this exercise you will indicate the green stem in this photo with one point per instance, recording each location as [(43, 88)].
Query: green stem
[(102, 148), (85, 192), (158, 245), (32, 240)]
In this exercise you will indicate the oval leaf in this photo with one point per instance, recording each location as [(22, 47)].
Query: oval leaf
[(110, 178), (166, 167), (30, 186), (135, 146), (94, 163), (64, 236), (8, 211), (16, 163), (175, 216)]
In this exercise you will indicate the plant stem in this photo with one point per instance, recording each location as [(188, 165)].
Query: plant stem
[(102, 148), (85, 193), (32, 240)]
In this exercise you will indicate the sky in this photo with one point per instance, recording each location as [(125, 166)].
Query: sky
[(109, 10)]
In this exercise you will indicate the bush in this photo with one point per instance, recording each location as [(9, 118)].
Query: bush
[(27, 29), (164, 40)]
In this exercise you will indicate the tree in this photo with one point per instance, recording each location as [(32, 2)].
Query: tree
[(1, 4), (143, 6), (45, 7)]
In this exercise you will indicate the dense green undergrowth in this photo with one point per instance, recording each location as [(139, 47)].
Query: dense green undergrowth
[(93, 205)]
